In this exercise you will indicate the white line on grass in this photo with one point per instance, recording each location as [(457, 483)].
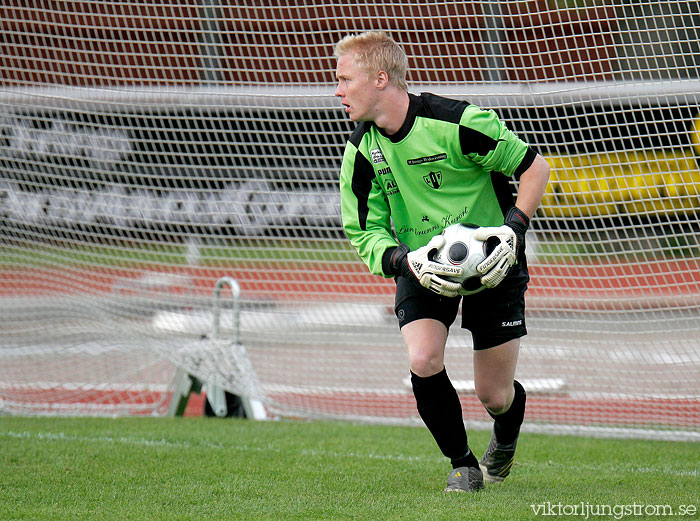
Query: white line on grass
[(60, 436), (145, 442)]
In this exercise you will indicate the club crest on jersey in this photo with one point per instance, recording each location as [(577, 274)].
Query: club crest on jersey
[(433, 179), (377, 156)]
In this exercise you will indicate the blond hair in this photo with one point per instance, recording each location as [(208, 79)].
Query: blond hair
[(376, 51)]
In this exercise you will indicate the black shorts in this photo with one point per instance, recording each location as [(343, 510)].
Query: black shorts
[(493, 316)]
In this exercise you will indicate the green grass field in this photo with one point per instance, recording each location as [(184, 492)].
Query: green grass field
[(245, 251), (203, 468)]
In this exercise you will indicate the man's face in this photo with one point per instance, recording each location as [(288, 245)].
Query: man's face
[(356, 90)]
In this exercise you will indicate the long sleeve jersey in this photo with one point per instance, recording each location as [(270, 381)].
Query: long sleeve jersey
[(450, 162)]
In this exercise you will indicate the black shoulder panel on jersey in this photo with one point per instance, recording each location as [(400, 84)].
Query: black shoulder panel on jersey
[(503, 190), (360, 130), (474, 142), (525, 163), (362, 176), (443, 109), (450, 110)]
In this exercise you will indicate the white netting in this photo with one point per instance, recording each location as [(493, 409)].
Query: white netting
[(148, 148)]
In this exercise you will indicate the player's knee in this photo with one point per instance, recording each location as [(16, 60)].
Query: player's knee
[(496, 400), (426, 364)]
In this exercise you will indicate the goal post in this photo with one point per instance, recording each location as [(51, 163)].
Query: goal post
[(148, 149)]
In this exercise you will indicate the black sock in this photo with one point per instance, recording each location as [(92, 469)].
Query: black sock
[(468, 460), (507, 425), (441, 411)]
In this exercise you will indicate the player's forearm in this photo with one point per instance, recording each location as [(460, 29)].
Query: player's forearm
[(533, 183), (370, 247)]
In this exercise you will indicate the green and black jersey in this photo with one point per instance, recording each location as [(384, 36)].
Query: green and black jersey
[(449, 163)]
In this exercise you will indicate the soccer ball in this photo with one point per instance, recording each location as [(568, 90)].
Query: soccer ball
[(462, 249)]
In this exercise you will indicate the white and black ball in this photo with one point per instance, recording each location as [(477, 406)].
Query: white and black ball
[(462, 249)]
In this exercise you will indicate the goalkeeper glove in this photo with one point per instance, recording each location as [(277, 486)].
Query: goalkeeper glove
[(519, 222), (416, 265), (511, 244)]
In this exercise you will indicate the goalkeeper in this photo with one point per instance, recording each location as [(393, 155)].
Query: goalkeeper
[(426, 162)]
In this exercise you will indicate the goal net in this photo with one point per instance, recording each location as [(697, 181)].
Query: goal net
[(150, 148)]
